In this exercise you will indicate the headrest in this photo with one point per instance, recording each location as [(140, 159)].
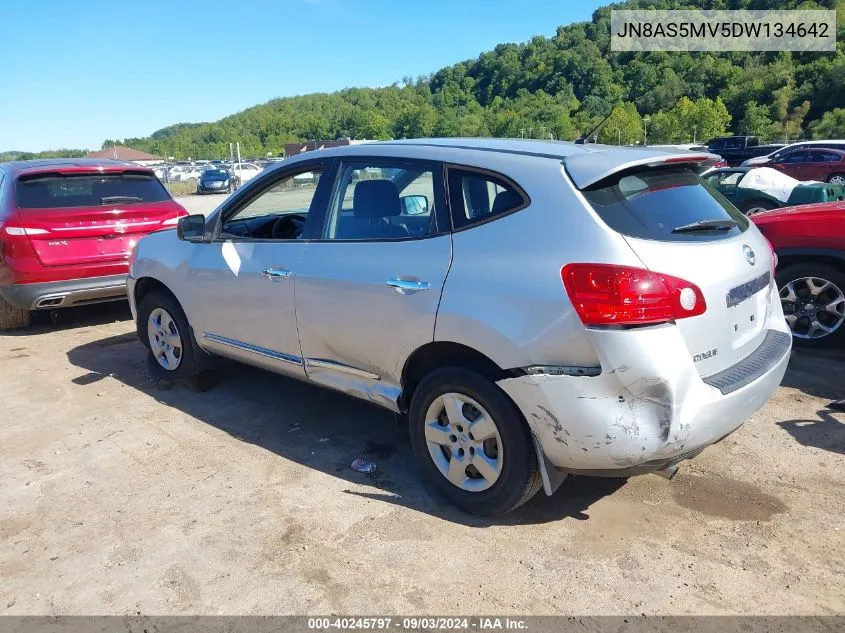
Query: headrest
[(505, 200), (375, 199)]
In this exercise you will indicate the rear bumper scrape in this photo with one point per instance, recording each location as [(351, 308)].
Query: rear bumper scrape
[(635, 419)]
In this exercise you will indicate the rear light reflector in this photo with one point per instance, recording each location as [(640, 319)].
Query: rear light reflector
[(604, 294), (774, 255)]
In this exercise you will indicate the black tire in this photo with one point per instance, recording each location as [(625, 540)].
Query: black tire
[(832, 177), (192, 369), (816, 270), (519, 479), (12, 318), (755, 206)]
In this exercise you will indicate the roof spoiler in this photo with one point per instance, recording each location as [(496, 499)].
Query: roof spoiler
[(590, 167)]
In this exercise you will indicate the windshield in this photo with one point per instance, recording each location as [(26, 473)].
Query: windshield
[(215, 172), (53, 191), (651, 203)]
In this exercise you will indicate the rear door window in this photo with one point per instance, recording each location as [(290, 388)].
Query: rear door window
[(479, 196), (55, 191), (651, 203)]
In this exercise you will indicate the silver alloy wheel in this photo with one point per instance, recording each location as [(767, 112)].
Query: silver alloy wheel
[(755, 210), (813, 307), (165, 340), (838, 179), (464, 442)]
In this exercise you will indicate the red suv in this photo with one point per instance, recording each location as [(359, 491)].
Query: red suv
[(67, 227), (810, 244)]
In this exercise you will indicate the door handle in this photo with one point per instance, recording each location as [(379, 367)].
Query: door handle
[(276, 274), (404, 286)]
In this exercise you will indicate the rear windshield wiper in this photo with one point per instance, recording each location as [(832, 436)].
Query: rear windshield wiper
[(705, 225), (113, 199)]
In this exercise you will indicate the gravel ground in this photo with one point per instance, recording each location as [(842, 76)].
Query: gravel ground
[(121, 495)]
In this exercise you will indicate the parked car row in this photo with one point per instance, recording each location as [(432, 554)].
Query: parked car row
[(753, 190), (610, 318), (192, 173)]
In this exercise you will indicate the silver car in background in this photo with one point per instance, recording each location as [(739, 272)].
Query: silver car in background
[(537, 308)]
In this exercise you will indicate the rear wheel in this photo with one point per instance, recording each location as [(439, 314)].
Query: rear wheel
[(164, 330), (192, 182), (813, 299), (12, 318), (836, 179), (472, 442), (754, 207)]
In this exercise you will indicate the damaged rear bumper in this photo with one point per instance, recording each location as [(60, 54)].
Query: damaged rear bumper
[(636, 418)]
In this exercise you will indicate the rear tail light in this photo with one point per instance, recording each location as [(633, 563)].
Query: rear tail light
[(604, 294), (20, 231), (721, 163)]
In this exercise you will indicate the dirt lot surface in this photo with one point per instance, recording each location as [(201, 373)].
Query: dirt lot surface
[(122, 495)]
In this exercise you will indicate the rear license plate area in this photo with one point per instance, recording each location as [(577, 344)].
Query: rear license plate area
[(747, 313), (747, 290)]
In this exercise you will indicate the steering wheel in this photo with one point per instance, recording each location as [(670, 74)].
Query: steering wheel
[(288, 227)]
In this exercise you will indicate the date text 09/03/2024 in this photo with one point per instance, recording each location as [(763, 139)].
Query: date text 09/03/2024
[(416, 623)]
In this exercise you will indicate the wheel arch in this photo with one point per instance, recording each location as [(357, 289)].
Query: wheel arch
[(437, 354), (143, 287), (793, 256)]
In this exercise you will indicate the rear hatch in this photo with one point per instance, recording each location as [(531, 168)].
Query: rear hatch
[(680, 226), (91, 217)]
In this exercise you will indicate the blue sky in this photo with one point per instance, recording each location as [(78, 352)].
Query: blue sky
[(88, 70)]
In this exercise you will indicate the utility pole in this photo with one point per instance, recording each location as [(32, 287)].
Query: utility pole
[(646, 119)]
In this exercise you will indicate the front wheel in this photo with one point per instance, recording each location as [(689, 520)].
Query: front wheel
[(164, 330), (836, 179), (813, 300), (472, 442)]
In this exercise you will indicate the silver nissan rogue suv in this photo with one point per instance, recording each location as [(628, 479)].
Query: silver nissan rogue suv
[(537, 308)]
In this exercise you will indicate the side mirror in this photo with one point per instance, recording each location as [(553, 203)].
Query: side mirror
[(414, 205), (191, 228)]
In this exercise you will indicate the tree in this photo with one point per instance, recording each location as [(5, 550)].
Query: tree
[(830, 126), (756, 120), (623, 127)]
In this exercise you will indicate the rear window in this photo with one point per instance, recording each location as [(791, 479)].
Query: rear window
[(54, 191), (651, 203)]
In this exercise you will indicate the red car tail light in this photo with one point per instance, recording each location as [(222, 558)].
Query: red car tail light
[(604, 294)]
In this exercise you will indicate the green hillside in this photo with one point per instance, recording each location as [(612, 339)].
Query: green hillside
[(560, 86)]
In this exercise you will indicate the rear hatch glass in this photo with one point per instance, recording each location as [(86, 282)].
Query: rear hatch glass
[(678, 225), (57, 191), (654, 204), (90, 217)]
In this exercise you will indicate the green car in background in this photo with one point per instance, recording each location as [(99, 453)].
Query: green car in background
[(757, 189)]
